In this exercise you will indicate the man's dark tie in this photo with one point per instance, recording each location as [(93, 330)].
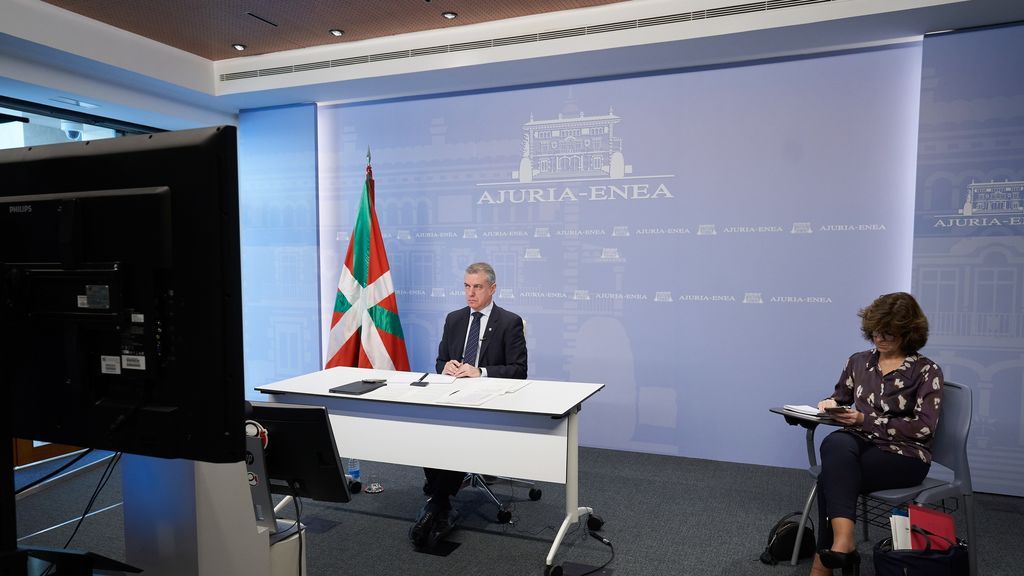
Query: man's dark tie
[(473, 341)]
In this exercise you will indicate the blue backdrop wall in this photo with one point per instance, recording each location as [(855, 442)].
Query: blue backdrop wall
[(698, 241), (969, 236), (277, 206)]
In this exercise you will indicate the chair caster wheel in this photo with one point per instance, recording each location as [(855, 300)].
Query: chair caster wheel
[(595, 522), (552, 571), (535, 494), (504, 516)]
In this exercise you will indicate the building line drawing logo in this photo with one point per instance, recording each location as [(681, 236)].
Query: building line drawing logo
[(574, 148), (993, 198), (988, 204), (571, 148)]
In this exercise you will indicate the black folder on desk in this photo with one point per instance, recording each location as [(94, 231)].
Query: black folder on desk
[(358, 387)]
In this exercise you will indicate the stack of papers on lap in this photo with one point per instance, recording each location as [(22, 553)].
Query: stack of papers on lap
[(802, 409)]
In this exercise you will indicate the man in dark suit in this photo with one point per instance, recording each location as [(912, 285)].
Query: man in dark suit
[(480, 340)]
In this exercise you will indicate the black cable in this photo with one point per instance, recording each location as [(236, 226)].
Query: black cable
[(107, 473), (63, 467), (607, 543), (298, 517)]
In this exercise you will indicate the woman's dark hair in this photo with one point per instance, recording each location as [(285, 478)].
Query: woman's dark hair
[(897, 314)]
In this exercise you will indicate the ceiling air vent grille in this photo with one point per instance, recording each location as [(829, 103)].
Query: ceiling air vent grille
[(737, 9), (350, 61), (389, 55), (775, 4), (276, 71), (240, 75), (659, 20), (431, 50), (746, 8), (569, 33), (312, 66), (510, 40), (613, 27), (469, 46)]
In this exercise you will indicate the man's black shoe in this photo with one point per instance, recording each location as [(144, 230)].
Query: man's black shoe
[(419, 533), (444, 522)]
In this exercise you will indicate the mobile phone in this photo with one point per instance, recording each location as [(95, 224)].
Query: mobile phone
[(837, 409)]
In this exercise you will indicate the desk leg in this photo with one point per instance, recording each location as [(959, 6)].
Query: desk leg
[(572, 472), (812, 458)]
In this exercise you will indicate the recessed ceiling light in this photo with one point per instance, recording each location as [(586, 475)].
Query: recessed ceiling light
[(449, 15), (239, 47), (336, 32)]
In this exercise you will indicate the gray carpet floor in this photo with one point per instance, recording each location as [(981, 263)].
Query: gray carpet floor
[(663, 515)]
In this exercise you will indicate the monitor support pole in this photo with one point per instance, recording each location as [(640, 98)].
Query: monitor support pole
[(12, 560)]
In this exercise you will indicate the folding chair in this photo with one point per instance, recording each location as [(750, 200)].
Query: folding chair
[(949, 448)]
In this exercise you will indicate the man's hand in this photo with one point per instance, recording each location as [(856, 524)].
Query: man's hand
[(451, 367), (467, 370)]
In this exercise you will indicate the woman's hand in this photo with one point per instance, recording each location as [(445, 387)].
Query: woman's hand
[(826, 403), (849, 417)]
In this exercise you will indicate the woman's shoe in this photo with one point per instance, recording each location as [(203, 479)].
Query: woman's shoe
[(848, 561)]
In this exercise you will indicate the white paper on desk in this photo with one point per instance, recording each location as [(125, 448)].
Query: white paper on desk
[(516, 386), (427, 394), (802, 409), (389, 392), (469, 397), (439, 379), (494, 386)]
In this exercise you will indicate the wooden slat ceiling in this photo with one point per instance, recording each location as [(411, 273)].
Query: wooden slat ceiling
[(208, 28)]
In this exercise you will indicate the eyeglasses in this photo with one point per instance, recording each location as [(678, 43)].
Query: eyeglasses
[(883, 336)]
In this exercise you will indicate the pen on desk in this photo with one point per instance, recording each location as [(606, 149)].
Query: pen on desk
[(425, 374), (453, 393)]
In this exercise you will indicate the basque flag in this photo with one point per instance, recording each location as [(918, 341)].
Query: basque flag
[(365, 330)]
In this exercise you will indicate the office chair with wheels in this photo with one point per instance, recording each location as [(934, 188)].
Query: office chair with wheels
[(483, 482), (949, 448)]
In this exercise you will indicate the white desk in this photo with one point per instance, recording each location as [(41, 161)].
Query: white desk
[(531, 433)]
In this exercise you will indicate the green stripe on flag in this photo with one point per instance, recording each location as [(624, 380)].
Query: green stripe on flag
[(341, 304), (386, 320), (361, 239)]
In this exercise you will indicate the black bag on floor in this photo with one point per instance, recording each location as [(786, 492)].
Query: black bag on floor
[(928, 562), (782, 538)]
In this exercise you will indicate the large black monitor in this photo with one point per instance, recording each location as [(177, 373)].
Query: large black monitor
[(301, 454), (120, 294)]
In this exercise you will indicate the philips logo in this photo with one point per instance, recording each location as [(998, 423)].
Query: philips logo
[(24, 209)]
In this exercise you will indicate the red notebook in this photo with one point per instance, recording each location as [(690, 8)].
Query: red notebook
[(933, 521)]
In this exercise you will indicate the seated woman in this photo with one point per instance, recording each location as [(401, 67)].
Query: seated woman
[(894, 396)]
